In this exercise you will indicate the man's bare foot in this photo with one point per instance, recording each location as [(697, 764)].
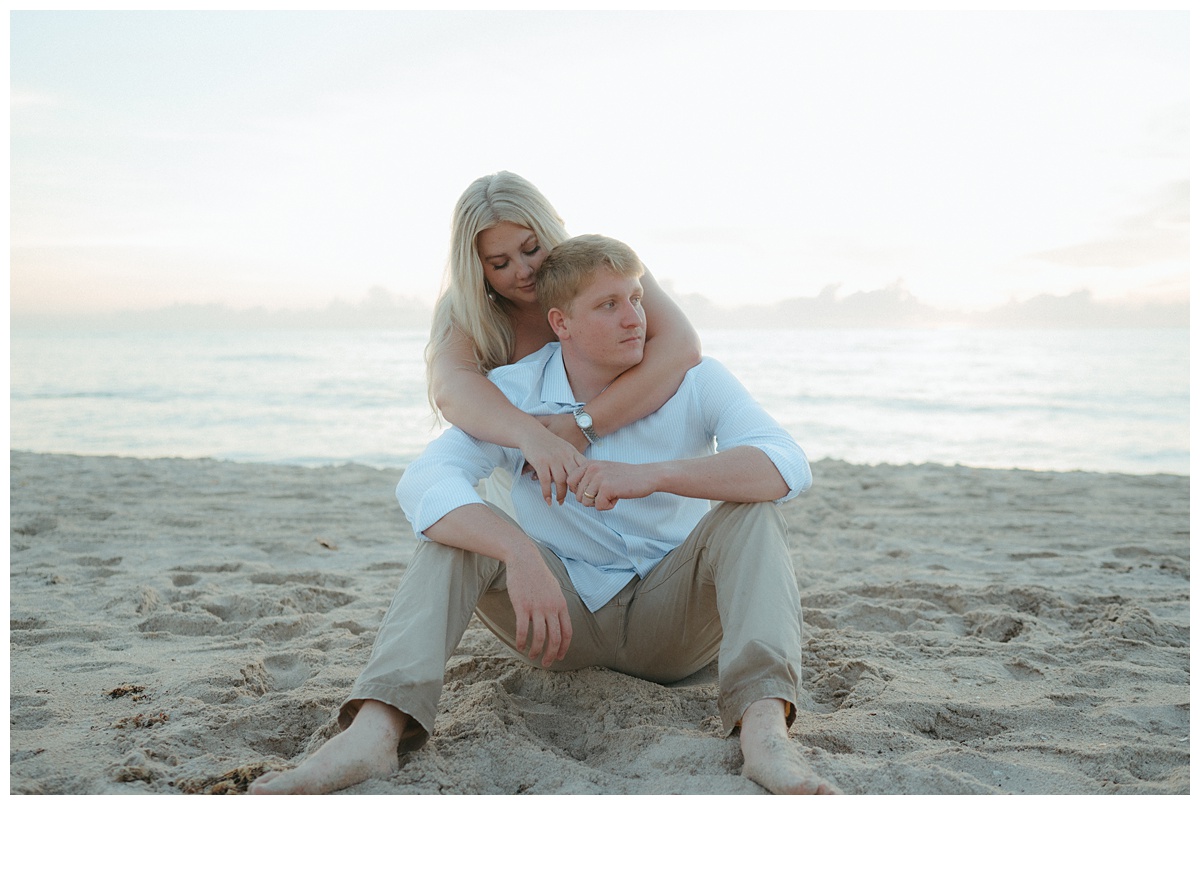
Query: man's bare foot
[(770, 760), (365, 750)]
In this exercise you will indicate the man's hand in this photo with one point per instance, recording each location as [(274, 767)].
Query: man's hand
[(538, 602), (537, 599), (741, 474), (601, 484)]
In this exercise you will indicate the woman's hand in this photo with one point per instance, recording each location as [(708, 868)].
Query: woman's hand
[(564, 427), (551, 460)]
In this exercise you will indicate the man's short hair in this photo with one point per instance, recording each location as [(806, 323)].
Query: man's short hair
[(573, 263)]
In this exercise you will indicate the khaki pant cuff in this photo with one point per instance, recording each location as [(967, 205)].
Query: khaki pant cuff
[(734, 705), (420, 724)]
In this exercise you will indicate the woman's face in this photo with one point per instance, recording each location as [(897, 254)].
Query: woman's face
[(511, 255)]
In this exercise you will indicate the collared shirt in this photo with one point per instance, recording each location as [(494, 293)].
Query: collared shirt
[(602, 550)]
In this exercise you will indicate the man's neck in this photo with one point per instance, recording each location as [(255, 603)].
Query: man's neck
[(587, 381)]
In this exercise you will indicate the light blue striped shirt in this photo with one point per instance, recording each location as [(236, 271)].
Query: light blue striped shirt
[(602, 551)]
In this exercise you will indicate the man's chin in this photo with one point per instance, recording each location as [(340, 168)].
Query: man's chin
[(636, 354), (620, 365)]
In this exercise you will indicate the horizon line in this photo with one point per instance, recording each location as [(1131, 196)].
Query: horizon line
[(890, 307)]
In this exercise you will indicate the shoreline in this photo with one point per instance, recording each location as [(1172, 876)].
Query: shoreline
[(322, 463), (179, 624)]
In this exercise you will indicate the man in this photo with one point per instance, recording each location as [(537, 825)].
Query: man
[(635, 572)]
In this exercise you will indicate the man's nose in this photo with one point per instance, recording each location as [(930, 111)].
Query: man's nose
[(631, 314)]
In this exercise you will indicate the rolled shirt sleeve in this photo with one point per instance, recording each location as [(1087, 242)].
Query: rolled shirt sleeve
[(445, 476), (738, 420)]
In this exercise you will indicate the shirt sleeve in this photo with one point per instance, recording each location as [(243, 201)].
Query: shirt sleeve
[(738, 420), (444, 477)]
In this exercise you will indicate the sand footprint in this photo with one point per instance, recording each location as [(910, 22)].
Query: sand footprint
[(847, 684)]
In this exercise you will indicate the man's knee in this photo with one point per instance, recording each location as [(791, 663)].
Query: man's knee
[(445, 568), (435, 550), (740, 520)]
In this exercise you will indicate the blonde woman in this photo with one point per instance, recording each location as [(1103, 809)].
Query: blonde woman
[(488, 315)]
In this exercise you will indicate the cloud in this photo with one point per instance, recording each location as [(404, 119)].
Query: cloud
[(891, 307), (20, 99), (1157, 235), (380, 309), (894, 307), (1080, 310)]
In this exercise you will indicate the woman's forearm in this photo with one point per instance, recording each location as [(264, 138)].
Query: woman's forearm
[(470, 401), (475, 405), (642, 390)]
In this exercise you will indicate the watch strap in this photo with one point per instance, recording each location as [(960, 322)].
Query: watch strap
[(588, 432)]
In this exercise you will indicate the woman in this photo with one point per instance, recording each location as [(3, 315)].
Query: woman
[(488, 315)]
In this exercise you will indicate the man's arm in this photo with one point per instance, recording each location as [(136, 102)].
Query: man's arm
[(536, 596), (758, 460), (437, 494), (742, 474)]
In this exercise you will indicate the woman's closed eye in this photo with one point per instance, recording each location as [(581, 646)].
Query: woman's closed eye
[(528, 252)]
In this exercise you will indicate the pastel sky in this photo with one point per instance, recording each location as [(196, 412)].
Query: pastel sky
[(282, 159)]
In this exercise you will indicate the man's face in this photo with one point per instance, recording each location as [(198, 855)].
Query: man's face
[(605, 324)]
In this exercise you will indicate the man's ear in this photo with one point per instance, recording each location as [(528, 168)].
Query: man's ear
[(558, 323)]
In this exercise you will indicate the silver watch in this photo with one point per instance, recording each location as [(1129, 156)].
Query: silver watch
[(584, 422)]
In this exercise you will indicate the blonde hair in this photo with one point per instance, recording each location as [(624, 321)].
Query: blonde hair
[(572, 264), (466, 300)]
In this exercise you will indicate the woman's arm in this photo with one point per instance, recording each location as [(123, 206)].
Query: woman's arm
[(472, 403), (672, 347)]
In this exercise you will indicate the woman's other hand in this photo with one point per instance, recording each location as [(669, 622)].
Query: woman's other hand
[(564, 427), (551, 459)]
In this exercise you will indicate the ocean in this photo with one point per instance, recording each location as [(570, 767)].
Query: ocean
[(1095, 400)]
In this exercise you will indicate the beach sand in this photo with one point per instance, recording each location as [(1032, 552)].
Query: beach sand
[(179, 626)]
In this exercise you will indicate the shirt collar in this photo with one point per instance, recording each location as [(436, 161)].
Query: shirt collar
[(555, 386)]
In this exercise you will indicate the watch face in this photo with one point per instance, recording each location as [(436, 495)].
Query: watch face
[(584, 420)]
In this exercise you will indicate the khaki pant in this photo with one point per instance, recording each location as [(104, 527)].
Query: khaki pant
[(727, 592)]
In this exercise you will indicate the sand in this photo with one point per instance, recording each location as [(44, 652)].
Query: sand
[(178, 626)]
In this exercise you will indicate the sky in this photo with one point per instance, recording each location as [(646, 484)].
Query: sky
[(288, 159)]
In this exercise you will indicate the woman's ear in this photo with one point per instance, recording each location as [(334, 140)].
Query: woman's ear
[(559, 323)]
